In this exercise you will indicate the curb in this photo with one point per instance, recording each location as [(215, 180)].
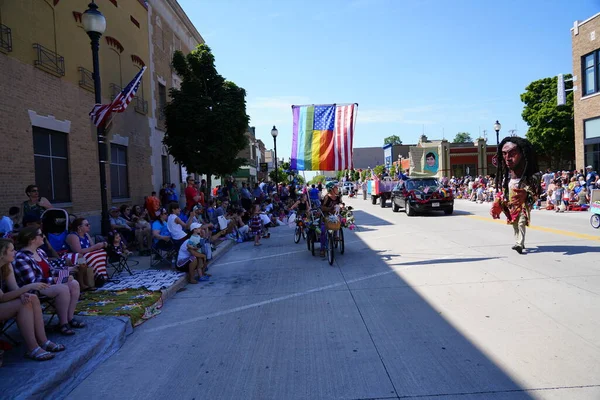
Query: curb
[(182, 282)]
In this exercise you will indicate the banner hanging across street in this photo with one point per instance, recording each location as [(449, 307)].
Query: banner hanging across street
[(322, 137)]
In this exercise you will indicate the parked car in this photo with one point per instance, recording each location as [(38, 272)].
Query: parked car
[(416, 195), (347, 187)]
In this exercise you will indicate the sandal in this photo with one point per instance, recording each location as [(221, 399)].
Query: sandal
[(53, 347), (76, 324), (39, 354), (65, 330)]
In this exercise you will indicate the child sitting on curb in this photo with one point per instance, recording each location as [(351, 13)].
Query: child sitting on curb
[(190, 259)]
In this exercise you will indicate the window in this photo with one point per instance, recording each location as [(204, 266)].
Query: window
[(591, 128), (592, 155), (119, 183), (162, 101), (590, 71), (166, 172), (51, 163)]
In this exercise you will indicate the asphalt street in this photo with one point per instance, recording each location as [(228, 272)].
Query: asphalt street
[(428, 307)]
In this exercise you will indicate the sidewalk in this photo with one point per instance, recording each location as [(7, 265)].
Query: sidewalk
[(90, 347)]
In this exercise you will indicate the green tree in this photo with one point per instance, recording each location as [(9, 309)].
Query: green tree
[(317, 179), (394, 139), (393, 170), (206, 118), (462, 137), (551, 129), (378, 170)]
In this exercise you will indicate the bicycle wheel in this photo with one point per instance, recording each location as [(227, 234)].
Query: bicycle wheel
[(595, 221), (304, 233), (335, 238), (308, 239), (330, 248), (297, 235), (341, 237), (313, 238)]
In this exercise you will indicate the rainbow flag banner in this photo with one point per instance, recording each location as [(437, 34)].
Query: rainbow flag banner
[(322, 137)]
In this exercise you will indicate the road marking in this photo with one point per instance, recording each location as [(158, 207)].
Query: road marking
[(541, 228), (265, 302), (286, 297)]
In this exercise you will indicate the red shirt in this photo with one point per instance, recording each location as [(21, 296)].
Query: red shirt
[(190, 193), (152, 205), (45, 267)]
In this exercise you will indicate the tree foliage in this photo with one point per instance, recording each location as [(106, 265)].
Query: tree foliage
[(206, 118), (551, 128), (462, 137), (394, 139), (317, 179), (378, 170)]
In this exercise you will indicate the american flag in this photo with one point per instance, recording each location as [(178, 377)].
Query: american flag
[(63, 274), (101, 112)]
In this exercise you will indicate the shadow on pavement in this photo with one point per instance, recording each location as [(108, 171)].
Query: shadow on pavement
[(565, 250), (369, 220), (446, 261)]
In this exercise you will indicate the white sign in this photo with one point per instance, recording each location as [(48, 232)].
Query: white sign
[(561, 95)]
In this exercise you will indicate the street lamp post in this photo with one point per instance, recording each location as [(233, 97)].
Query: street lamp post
[(497, 127), (94, 24), (274, 133)]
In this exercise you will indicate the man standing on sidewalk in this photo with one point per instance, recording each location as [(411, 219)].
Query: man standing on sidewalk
[(518, 173)]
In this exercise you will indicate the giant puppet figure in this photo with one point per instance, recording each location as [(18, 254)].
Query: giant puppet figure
[(519, 178)]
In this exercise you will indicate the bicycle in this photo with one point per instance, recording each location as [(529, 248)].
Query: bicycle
[(300, 231), (335, 239)]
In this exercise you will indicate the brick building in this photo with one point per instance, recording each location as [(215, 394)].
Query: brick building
[(253, 155), (47, 93), (586, 100), (169, 30)]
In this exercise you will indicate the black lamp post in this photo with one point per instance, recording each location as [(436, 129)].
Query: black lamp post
[(497, 128), (274, 133), (94, 24)]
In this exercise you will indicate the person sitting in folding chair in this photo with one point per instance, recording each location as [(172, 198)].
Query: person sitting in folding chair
[(118, 254), (32, 265), (25, 307), (162, 246)]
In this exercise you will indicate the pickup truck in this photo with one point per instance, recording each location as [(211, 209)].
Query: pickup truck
[(381, 189)]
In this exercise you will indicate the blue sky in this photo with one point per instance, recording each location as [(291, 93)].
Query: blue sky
[(437, 66)]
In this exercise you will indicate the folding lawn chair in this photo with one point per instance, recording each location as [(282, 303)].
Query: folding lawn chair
[(4, 327), (48, 307), (162, 252), (120, 263)]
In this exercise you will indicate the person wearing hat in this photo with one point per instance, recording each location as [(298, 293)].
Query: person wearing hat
[(329, 205), (189, 257), (120, 224), (591, 177)]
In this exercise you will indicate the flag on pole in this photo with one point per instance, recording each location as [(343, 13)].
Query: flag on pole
[(101, 112), (322, 137)]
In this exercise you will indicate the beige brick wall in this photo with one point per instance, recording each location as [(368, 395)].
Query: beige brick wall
[(588, 107), (24, 88)]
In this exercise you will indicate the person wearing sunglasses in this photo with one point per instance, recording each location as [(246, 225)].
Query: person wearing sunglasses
[(36, 205), (32, 265)]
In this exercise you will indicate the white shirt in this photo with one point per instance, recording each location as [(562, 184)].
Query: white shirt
[(184, 253), (176, 230)]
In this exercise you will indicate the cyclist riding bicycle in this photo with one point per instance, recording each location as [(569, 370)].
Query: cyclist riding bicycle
[(329, 205)]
